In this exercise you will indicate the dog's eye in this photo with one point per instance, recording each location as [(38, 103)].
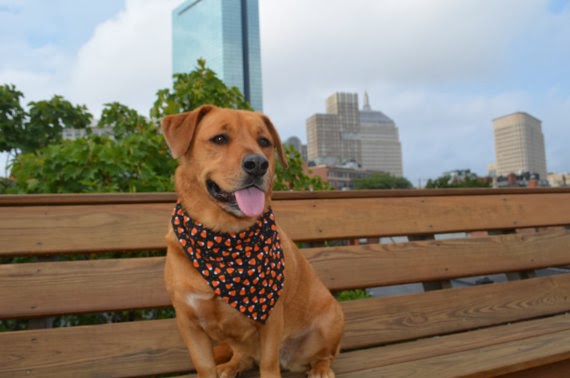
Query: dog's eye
[(264, 142), (220, 139)]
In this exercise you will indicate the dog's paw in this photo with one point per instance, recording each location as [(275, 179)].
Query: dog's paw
[(321, 370), (226, 370)]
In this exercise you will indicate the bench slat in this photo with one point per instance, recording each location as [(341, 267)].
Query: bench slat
[(142, 348), (81, 286), (37, 230), (355, 361), (489, 361), (400, 263), (118, 284), (391, 319), (112, 350), (408, 317), (365, 217)]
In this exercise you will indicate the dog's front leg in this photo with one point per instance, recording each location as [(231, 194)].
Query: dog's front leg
[(271, 335), (199, 345)]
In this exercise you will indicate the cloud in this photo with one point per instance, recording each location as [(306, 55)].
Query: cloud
[(128, 57)]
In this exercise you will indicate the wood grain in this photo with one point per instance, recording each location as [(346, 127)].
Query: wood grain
[(374, 265), (112, 350), (43, 289), (488, 361), (119, 284), (373, 321), (36, 230), (151, 347)]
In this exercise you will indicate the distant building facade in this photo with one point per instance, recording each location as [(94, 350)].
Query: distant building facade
[(519, 145), (339, 178), (226, 34), (558, 179), (92, 129), (345, 134)]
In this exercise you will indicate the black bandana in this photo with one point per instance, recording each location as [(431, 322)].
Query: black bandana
[(246, 269)]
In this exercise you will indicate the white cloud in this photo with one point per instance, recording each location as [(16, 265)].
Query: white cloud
[(127, 59)]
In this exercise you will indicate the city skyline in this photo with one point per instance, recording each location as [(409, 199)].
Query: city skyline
[(442, 69)]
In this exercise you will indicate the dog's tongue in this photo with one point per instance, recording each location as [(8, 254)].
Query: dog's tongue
[(251, 201)]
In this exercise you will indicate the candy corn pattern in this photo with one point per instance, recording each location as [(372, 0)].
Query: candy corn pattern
[(246, 269)]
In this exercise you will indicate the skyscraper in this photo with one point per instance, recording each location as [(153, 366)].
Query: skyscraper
[(344, 134), (519, 145), (226, 34)]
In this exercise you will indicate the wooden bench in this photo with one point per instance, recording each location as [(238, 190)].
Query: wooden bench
[(442, 322)]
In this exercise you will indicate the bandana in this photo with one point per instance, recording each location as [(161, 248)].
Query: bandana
[(246, 269)]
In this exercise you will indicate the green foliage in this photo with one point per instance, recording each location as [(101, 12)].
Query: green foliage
[(294, 177), (98, 164), (47, 119), (25, 132), (448, 182), (350, 295), (382, 181), (12, 116), (123, 120), (191, 90)]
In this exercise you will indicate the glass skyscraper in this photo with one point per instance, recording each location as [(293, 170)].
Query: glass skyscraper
[(226, 34)]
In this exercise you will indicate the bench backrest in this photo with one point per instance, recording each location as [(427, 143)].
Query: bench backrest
[(512, 232)]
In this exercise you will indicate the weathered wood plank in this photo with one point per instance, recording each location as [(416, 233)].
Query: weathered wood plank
[(392, 319), (86, 228), (119, 284), (488, 361), (151, 347), (51, 288), (359, 360), (372, 321), (74, 229), (112, 350), (325, 219), (169, 197), (373, 265)]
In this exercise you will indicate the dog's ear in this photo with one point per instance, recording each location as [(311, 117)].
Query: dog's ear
[(178, 129), (276, 141)]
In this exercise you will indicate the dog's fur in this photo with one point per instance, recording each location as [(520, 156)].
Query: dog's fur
[(304, 329)]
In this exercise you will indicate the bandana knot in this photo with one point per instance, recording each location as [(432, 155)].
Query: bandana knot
[(246, 269)]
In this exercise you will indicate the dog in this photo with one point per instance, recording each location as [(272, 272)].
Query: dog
[(242, 292)]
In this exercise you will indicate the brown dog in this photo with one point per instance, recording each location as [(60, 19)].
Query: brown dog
[(242, 292)]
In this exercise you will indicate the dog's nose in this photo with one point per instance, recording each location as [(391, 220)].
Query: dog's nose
[(255, 165)]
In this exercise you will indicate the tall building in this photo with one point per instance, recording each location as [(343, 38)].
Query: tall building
[(226, 34), (347, 135), (519, 145)]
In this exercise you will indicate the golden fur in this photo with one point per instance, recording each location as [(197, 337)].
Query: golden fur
[(304, 329)]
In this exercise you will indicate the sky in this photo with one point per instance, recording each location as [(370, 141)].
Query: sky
[(441, 69)]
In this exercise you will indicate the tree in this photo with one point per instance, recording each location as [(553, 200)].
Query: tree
[(382, 181), (47, 119), (471, 180), (100, 163), (12, 117), (191, 90), (123, 120), (24, 131), (294, 177)]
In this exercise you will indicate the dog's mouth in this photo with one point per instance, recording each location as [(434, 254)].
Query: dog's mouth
[(249, 201)]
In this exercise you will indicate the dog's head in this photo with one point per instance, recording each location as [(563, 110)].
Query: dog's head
[(226, 158)]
